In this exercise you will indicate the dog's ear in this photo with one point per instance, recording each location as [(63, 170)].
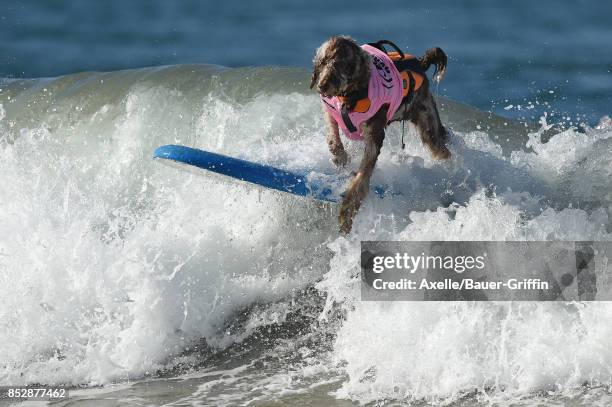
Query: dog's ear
[(315, 76), (317, 65)]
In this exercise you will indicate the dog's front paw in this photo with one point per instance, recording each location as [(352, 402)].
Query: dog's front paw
[(340, 159)]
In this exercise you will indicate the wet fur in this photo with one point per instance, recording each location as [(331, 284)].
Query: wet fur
[(341, 67)]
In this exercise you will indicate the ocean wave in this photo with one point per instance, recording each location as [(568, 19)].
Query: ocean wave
[(112, 264)]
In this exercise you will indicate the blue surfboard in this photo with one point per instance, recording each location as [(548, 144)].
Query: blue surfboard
[(259, 174), (312, 185)]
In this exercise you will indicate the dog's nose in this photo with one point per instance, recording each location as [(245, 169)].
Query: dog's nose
[(322, 88), (330, 86)]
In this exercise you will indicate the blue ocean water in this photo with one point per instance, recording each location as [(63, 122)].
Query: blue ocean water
[(501, 53)]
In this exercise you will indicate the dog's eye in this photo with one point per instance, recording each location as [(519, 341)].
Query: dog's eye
[(344, 66)]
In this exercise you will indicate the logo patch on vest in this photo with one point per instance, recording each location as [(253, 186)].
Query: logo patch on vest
[(384, 71)]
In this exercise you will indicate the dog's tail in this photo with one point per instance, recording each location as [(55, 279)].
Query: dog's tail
[(434, 56)]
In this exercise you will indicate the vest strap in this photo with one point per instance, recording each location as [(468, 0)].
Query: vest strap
[(381, 46), (411, 84), (347, 120)]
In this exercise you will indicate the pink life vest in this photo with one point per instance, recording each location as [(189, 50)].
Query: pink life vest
[(385, 87)]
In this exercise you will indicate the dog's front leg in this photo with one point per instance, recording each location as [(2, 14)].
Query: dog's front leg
[(373, 134), (339, 156)]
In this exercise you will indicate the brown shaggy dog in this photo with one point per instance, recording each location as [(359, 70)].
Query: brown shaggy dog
[(342, 68)]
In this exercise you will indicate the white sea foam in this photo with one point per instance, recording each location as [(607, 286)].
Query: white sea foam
[(111, 262), (441, 351)]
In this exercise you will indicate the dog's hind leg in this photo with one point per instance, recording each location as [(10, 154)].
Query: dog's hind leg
[(373, 135), (424, 114)]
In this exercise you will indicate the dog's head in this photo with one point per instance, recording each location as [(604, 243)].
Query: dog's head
[(340, 66)]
